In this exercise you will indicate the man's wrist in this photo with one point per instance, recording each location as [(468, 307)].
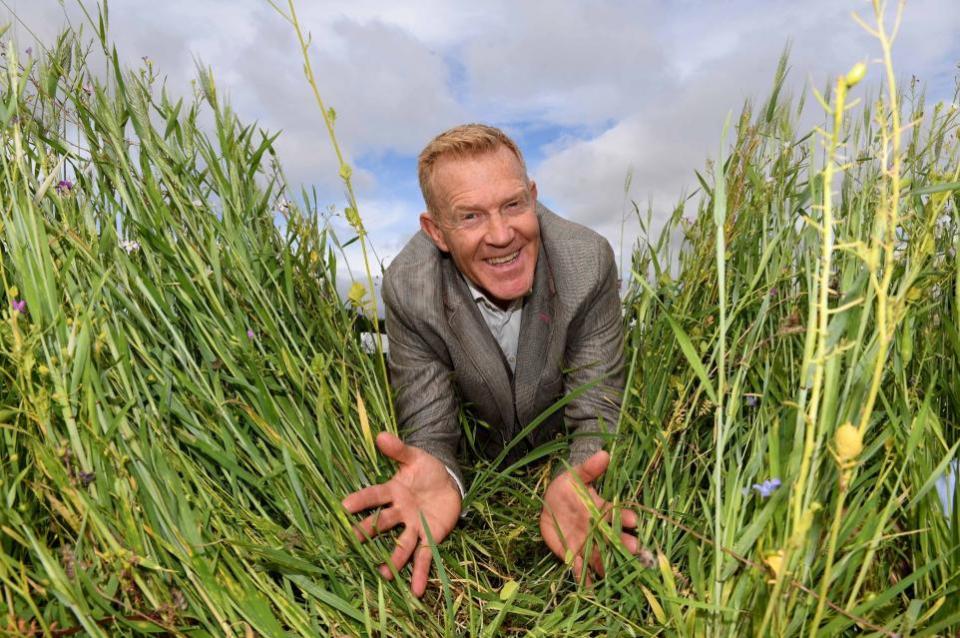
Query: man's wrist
[(456, 481)]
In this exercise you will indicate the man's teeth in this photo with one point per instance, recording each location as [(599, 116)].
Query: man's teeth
[(496, 261)]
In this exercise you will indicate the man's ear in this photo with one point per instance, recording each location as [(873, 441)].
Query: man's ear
[(430, 226), (533, 192)]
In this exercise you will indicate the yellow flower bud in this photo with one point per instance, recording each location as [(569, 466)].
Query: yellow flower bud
[(849, 442), (775, 562), (13, 292), (357, 292), (855, 74)]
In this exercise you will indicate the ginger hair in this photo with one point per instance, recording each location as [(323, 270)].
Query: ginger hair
[(466, 140)]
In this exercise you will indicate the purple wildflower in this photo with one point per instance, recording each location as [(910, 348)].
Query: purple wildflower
[(751, 401), (768, 487), (250, 333), (29, 50), (64, 186), (86, 478), (773, 292), (19, 305)]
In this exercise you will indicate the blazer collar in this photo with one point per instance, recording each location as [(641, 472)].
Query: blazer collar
[(467, 325), (536, 327)]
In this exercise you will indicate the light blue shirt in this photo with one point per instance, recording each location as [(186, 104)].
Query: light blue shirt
[(503, 324)]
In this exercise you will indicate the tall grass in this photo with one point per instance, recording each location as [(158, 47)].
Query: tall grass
[(184, 400)]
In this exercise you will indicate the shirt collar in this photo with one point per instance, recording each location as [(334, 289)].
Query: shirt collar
[(480, 297)]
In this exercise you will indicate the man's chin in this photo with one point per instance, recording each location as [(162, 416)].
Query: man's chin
[(509, 293)]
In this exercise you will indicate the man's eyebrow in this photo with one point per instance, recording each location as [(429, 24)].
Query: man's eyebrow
[(519, 194), (465, 208)]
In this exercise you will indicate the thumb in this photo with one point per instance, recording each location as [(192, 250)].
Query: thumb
[(591, 469), (391, 446)]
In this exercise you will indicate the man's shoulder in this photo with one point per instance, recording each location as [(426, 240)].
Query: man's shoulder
[(418, 254), (417, 268), (573, 249)]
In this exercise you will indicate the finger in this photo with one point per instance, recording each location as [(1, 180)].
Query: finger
[(421, 570), (596, 563), (591, 469), (578, 567), (379, 521), (373, 496), (629, 519), (391, 446), (630, 542), (401, 554)]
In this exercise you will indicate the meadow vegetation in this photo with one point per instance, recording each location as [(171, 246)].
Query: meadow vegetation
[(184, 398)]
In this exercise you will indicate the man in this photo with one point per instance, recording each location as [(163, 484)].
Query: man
[(503, 307)]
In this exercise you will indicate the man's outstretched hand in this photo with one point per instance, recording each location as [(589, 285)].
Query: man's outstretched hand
[(421, 486), (565, 520)]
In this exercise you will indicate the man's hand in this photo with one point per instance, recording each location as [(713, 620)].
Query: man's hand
[(421, 486), (565, 520)]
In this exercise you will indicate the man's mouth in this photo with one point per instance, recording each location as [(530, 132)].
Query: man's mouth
[(506, 259)]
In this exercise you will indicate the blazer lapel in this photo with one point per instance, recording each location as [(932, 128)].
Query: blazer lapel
[(468, 326), (536, 329)]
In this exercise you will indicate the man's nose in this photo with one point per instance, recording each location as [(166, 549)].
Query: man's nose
[(499, 230)]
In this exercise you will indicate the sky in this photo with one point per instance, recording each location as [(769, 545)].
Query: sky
[(592, 90)]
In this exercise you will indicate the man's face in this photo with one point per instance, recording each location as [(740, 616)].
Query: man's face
[(487, 221)]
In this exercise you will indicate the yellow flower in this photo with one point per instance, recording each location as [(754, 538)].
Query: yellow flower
[(849, 443), (357, 292), (775, 562)]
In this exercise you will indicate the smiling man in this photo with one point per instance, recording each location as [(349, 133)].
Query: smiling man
[(500, 307)]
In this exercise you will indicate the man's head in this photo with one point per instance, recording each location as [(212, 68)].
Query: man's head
[(481, 208)]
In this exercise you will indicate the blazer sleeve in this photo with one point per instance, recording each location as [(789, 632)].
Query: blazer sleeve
[(422, 382), (594, 353)]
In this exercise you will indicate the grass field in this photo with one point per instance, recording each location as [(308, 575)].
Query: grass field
[(184, 399)]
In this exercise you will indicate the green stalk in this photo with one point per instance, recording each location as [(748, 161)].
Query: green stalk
[(353, 211), (889, 217), (719, 431)]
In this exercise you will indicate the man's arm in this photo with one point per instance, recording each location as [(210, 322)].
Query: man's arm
[(424, 393), (594, 353), (425, 494)]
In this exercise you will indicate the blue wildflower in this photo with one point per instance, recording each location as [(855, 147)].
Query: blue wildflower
[(768, 487), (946, 485)]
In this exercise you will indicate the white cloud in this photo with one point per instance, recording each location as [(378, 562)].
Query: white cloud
[(722, 55), (645, 84)]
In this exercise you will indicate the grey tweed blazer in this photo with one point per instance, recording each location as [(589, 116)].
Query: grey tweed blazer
[(443, 356)]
